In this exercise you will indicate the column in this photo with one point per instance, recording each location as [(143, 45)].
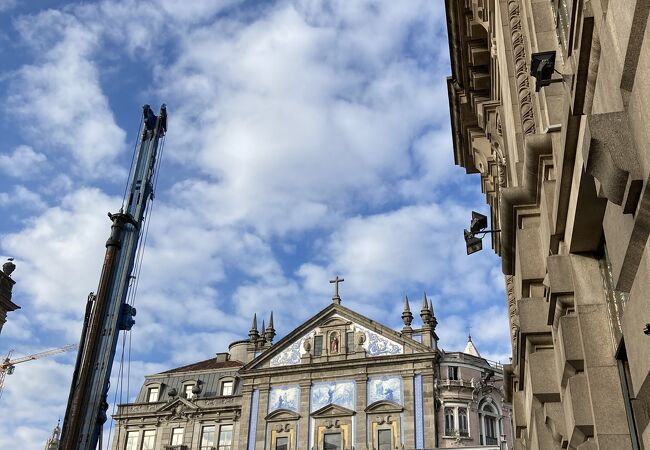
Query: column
[(361, 438)]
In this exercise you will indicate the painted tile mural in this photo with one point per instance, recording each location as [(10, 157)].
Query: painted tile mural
[(378, 345), (291, 355), (385, 388), (284, 397), (340, 393)]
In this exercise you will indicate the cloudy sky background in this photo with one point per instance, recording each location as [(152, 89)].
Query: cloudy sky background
[(306, 139)]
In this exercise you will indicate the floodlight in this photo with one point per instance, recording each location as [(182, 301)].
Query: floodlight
[(479, 222), (542, 66), (473, 243)]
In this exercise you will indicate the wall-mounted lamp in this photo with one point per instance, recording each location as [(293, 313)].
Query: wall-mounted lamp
[(477, 226), (542, 67), (646, 329)]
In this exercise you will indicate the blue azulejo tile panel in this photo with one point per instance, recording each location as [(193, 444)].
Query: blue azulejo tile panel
[(284, 397), (340, 393), (379, 345), (419, 412), (291, 354), (252, 425), (385, 388)]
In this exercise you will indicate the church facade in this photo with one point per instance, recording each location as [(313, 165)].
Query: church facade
[(339, 381)]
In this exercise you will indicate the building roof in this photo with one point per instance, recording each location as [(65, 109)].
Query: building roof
[(208, 364), (470, 348)]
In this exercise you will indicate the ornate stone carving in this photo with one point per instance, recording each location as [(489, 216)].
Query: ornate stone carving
[(513, 311), (521, 69)]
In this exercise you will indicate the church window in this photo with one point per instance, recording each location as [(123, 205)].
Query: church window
[(177, 436), (207, 437), (449, 422), (226, 388), (452, 372), (385, 439), (332, 441), (463, 428), (152, 394), (132, 440), (148, 439), (225, 437), (188, 391), (349, 341), (318, 345), (282, 443)]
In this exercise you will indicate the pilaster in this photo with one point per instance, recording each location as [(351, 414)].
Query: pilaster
[(260, 435), (361, 437), (409, 411), (303, 423)]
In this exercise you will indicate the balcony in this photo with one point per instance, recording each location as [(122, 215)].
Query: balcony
[(176, 447), (487, 440)]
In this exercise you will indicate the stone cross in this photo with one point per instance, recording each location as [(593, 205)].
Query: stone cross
[(336, 281)]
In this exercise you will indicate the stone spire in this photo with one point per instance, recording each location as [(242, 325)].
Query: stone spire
[(434, 321), (270, 331), (262, 335), (407, 315), (253, 334), (53, 442), (425, 314), (470, 348)]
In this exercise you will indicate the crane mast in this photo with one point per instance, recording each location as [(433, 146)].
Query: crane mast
[(107, 312)]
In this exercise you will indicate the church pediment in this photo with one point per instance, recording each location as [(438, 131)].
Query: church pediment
[(330, 330), (281, 415), (331, 411), (384, 406)]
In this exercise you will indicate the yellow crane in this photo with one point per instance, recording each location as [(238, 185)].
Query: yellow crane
[(8, 365)]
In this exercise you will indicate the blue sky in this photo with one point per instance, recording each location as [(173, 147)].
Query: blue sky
[(306, 139)]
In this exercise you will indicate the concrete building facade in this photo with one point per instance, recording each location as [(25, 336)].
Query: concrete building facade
[(338, 381), (565, 170)]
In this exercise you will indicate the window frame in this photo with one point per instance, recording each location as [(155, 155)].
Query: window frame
[(137, 440), (318, 349), (229, 445), (144, 436), (225, 382), (286, 438), (173, 435), (453, 373), (150, 391), (390, 434), (336, 433), (203, 445)]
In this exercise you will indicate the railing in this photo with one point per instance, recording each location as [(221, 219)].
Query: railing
[(491, 440), (176, 447)]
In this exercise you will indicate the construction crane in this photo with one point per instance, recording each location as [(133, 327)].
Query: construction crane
[(8, 365), (108, 312)]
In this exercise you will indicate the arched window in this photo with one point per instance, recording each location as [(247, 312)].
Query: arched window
[(489, 418)]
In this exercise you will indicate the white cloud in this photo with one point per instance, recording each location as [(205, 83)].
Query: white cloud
[(6, 5), (21, 198), (22, 162), (59, 98)]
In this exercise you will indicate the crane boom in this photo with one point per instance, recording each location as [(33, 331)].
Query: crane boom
[(107, 312), (8, 363)]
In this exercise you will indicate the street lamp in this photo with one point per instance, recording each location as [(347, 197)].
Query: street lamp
[(478, 225), (542, 67)]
